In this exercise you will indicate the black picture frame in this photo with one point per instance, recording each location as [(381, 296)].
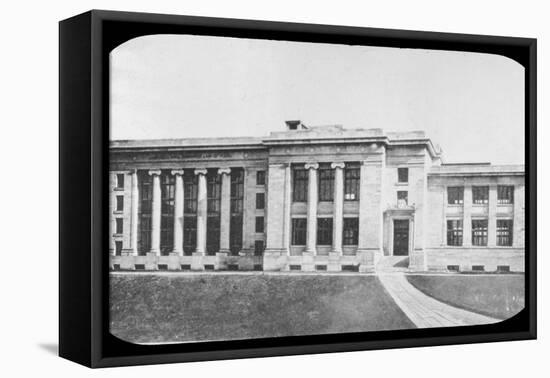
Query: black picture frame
[(85, 42)]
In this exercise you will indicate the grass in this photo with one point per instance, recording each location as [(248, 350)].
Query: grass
[(498, 296), (197, 307)]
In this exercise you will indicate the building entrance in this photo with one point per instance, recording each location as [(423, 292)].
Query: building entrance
[(401, 237)]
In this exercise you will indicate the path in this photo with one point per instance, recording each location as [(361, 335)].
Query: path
[(423, 310)]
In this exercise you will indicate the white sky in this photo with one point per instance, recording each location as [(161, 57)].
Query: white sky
[(179, 86)]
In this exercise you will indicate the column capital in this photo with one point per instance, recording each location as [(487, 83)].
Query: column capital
[(225, 171), (311, 165), (202, 171), (154, 172), (177, 172), (340, 165)]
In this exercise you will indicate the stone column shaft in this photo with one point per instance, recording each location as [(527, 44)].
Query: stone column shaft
[(338, 212), (467, 216), (155, 213), (312, 208), (225, 209), (492, 217), (286, 212), (178, 214), (201, 211), (135, 214)]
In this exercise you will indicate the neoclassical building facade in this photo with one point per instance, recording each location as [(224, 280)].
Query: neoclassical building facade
[(311, 199)]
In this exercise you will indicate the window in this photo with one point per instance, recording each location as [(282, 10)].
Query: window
[(213, 195), (213, 192), (352, 178), (454, 232), (402, 198), (189, 234), (236, 209), (480, 195), (258, 247), (505, 232), (236, 234), (212, 234), (118, 248), (119, 203), (258, 267), (478, 268), (162, 266), (260, 201), (455, 195), (260, 178), (120, 181), (350, 268), (479, 232), (295, 267), (503, 268), (259, 224), (300, 181), (321, 268), (144, 210), (403, 175), (326, 183), (324, 231), (299, 230), (505, 194), (453, 268), (167, 193), (351, 231), (118, 229), (190, 189)]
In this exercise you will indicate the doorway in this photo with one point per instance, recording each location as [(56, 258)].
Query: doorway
[(400, 237)]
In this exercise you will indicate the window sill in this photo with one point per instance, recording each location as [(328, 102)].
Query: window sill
[(401, 183), (117, 189), (118, 212)]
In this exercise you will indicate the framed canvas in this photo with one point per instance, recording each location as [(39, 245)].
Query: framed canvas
[(234, 188)]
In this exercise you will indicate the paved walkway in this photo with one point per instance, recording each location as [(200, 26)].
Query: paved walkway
[(423, 310)]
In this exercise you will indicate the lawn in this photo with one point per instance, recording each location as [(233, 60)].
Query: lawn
[(498, 296), (193, 307)]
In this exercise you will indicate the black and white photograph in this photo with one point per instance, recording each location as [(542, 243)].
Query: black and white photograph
[(267, 188)]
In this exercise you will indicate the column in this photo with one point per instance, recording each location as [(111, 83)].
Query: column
[(135, 214), (338, 209), (225, 209), (312, 208), (492, 217), (286, 211), (155, 213), (178, 214), (201, 212), (467, 216)]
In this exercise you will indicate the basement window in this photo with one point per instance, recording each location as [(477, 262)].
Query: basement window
[(139, 266), (503, 268), (478, 268), (185, 267), (453, 268), (209, 267), (162, 267), (350, 268), (321, 268), (295, 267)]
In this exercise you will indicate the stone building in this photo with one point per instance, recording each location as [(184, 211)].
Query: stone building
[(311, 199)]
